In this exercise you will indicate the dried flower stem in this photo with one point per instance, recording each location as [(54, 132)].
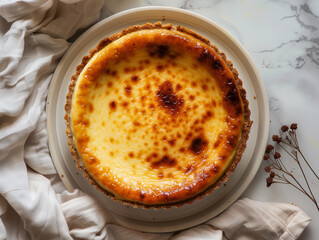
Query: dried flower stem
[(295, 157), (288, 137), (296, 146), (308, 163)]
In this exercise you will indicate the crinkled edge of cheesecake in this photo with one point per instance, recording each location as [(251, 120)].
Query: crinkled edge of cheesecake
[(245, 128)]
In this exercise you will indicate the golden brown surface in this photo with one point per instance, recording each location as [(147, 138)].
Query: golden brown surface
[(156, 116)]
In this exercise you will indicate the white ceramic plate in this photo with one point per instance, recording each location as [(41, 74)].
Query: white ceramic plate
[(201, 210)]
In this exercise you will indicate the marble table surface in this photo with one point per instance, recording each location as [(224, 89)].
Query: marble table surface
[(282, 37)]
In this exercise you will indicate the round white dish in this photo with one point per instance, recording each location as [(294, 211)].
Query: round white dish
[(173, 219)]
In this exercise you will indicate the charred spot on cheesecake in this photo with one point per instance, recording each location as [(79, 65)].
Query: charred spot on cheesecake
[(151, 157), (189, 136), (124, 104), (204, 87), (206, 116), (232, 96), (209, 58), (135, 79), (178, 87), (172, 142), (168, 99), (110, 72), (222, 157), (232, 102), (214, 169), (143, 98), (214, 103), (159, 51), (231, 141), (83, 140), (160, 67), (136, 123), (189, 169), (198, 145), (152, 106), (192, 97), (142, 194), (217, 65), (165, 161), (170, 175), (90, 107), (154, 127), (209, 114), (127, 90), (110, 84), (113, 105)]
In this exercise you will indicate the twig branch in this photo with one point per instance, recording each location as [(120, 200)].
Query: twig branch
[(288, 138)]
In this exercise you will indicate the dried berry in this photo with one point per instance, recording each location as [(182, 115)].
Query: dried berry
[(284, 128), (269, 181), (276, 138), (266, 157), (294, 126), (272, 174), (277, 155), (267, 168), (269, 148)]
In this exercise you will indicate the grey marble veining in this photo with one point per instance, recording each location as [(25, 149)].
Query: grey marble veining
[(282, 37)]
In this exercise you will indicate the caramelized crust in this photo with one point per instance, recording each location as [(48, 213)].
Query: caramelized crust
[(156, 116)]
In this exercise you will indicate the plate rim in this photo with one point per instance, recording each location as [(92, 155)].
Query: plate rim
[(264, 131)]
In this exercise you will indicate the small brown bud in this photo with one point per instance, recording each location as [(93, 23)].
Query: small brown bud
[(272, 174), (277, 155), (284, 128), (276, 138), (269, 148), (266, 157), (294, 126), (267, 168), (269, 181)]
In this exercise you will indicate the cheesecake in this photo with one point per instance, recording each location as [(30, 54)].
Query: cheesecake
[(156, 116)]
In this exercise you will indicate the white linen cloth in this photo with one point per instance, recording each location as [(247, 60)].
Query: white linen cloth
[(34, 203)]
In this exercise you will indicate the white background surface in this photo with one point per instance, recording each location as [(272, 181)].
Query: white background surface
[(283, 39)]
